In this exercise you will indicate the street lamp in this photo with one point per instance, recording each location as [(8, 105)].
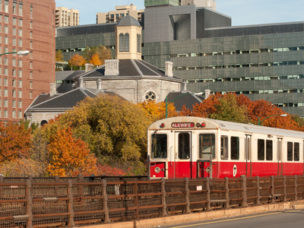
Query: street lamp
[(22, 52), (267, 117)]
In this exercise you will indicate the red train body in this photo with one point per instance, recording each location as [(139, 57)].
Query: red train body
[(193, 147)]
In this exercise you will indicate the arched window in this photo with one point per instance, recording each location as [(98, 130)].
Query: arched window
[(124, 42)]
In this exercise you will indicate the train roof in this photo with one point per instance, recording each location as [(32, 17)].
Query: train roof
[(232, 126)]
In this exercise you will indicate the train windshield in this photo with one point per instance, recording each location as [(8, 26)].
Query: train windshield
[(207, 146), (159, 146)]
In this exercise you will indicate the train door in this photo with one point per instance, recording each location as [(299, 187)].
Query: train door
[(183, 155), (280, 157), (248, 155), (206, 154)]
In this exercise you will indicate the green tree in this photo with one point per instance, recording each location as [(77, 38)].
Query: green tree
[(228, 109)]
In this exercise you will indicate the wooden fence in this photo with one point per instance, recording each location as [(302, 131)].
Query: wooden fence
[(69, 202)]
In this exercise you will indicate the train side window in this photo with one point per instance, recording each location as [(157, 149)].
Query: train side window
[(269, 150), (207, 146), (235, 148), (159, 146), (289, 151), (184, 145), (224, 147), (296, 152), (261, 149)]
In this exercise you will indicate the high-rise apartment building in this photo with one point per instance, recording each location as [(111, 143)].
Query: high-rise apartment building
[(119, 12), (25, 25), (66, 17)]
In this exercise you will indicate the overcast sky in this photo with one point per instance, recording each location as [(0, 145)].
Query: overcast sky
[(242, 12)]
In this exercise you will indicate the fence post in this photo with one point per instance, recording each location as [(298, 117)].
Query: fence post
[(56, 186), (136, 200), (1, 186), (80, 187), (187, 189), (244, 194), (29, 202), (258, 202), (296, 187), (208, 194), (105, 201), (70, 204), (285, 188), (272, 189), (164, 202), (227, 205)]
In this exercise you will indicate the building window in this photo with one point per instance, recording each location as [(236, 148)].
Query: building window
[(31, 85), (5, 93), (14, 83), (124, 42), (20, 32), (14, 103), (5, 103), (6, 29), (14, 62), (5, 114), (224, 147), (19, 94), (20, 114), (20, 63), (20, 73), (14, 21), (6, 40), (150, 96), (14, 8), (6, 2), (6, 19), (14, 114), (5, 82), (20, 9), (20, 43), (31, 11), (19, 104), (13, 93), (20, 22), (14, 32), (20, 84)]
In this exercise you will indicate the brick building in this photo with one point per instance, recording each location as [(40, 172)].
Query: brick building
[(25, 25)]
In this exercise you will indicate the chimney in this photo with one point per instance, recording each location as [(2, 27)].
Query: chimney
[(111, 67), (89, 67), (185, 86), (53, 89), (81, 84), (207, 93), (169, 69), (99, 84)]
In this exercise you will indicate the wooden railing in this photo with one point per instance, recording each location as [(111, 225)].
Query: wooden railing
[(82, 201)]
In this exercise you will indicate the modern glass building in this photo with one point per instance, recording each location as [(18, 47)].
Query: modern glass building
[(260, 61)]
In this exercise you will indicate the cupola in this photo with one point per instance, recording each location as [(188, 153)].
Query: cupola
[(128, 38)]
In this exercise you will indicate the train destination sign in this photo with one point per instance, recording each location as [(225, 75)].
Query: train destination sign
[(182, 125)]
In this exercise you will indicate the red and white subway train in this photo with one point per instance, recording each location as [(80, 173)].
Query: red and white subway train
[(194, 147)]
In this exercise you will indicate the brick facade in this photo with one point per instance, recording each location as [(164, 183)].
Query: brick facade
[(22, 78)]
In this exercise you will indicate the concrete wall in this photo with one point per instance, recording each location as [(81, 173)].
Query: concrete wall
[(136, 90), (37, 117)]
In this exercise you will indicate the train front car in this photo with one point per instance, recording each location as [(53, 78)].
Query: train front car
[(182, 147), (194, 147)]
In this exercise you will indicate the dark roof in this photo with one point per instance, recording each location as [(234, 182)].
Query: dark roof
[(67, 78), (128, 21), (130, 68), (61, 102), (185, 98)]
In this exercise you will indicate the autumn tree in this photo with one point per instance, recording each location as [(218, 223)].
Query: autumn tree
[(156, 111), (95, 60), (59, 56), (76, 61), (69, 156), (114, 129), (15, 141), (101, 51)]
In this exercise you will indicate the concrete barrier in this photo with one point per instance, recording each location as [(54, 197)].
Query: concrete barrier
[(209, 215)]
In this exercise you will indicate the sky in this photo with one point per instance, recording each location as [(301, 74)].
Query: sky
[(242, 12)]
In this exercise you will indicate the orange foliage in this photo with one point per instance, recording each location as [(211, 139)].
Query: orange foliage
[(259, 111), (77, 60), (106, 170), (95, 60), (156, 111), (15, 141), (69, 156)]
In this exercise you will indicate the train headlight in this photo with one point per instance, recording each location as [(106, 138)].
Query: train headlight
[(157, 170), (162, 125)]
